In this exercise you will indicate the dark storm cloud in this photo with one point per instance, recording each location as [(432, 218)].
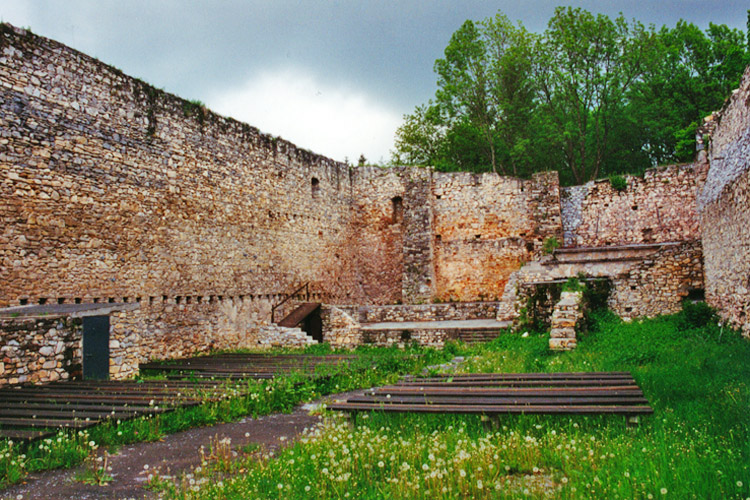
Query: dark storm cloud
[(386, 49)]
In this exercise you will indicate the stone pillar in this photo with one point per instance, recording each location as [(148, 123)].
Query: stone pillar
[(418, 282), (568, 312)]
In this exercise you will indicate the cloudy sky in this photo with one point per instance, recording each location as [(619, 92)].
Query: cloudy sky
[(333, 76)]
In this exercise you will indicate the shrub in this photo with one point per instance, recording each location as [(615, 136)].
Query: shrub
[(618, 182), (550, 245)]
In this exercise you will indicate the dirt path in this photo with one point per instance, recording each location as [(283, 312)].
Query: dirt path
[(176, 453)]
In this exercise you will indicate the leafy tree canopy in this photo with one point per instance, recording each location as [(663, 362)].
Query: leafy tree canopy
[(589, 97)]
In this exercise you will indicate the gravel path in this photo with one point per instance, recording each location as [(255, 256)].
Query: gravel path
[(176, 453)]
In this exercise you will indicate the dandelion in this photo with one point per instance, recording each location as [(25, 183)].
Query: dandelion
[(663, 491), (280, 486), (479, 484), (739, 484), (307, 488), (381, 464), (462, 473)]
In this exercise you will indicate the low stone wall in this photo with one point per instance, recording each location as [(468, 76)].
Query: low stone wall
[(428, 312), (35, 350), (281, 336), (425, 338)]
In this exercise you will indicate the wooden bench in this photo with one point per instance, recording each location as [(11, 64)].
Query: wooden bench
[(33, 412), (492, 394)]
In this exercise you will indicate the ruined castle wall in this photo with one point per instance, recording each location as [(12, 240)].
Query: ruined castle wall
[(113, 190), (375, 237), (660, 283), (658, 207), (725, 211), (485, 226)]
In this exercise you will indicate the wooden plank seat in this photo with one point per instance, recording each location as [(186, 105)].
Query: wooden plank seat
[(242, 366), (500, 393), (32, 412)]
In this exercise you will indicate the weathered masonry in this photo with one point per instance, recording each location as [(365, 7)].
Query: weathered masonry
[(114, 192)]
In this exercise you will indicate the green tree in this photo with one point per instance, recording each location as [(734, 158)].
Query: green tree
[(590, 97), (586, 64)]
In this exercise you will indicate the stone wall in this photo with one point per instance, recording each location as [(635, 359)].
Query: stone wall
[(112, 190), (725, 210), (427, 312), (660, 283), (655, 208), (34, 350), (486, 227)]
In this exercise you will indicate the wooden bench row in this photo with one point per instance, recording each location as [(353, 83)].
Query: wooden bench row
[(241, 366), (515, 393), (36, 412)]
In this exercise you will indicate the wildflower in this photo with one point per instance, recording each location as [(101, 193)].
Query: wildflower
[(739, 484), (381, 464), (307, 488), (462, 473), (479, 484), (280, 486), (663, 491)]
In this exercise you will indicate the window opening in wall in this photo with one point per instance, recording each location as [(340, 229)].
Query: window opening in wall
[(125, 300), (188, 300), (315, 184), (635, 207), (696, 294), (111, 300), (77, 300), (477, 236), (138, 299), (397, 205), (529, 246), (42, 301), (220, 297), (164, 298), (178, 299), (438, 196), (23, 302), (199, 299), (96, 300), (151, 300), (61, 300)]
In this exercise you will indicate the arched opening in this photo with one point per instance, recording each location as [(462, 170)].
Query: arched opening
[(315, 184)]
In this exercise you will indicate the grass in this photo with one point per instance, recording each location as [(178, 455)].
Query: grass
[(694, 371), (371, 367)]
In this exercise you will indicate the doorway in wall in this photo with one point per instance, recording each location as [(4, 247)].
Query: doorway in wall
[(96, 347)]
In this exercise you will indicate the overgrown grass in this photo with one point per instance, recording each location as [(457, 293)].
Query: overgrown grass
[(695, 373), (370, 367)]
